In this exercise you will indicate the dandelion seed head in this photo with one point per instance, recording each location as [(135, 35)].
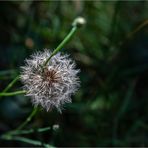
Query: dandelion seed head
[(52, 86)]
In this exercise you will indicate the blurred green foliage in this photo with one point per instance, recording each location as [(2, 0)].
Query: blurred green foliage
[(111, 107)]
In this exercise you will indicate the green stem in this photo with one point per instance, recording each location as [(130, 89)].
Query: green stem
[(13, 93), (11, 84), (24, 132), (28, 119), (62, 44), (15, 131), (26, 140)]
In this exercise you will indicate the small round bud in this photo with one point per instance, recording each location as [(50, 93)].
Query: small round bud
[(79, 22), (55, 127)]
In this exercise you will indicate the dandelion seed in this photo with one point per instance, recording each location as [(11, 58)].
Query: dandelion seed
[(52, 86)]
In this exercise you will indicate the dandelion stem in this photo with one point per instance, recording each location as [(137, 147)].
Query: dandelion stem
[(11, 84), (77, 23), (28, 119), (12, 93), (62, 44), (24, 132), (27, 140), (3, 93)]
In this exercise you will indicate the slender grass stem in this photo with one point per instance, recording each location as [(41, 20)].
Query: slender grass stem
[(11, 84), (27, 140), (24, 132), (13, 93), (62, 44), (77, 23), (28, 119)]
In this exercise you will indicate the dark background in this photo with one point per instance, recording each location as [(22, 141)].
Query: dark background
[(111, 106)]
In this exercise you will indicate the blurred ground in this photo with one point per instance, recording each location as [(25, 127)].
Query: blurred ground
[(111, 107)]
